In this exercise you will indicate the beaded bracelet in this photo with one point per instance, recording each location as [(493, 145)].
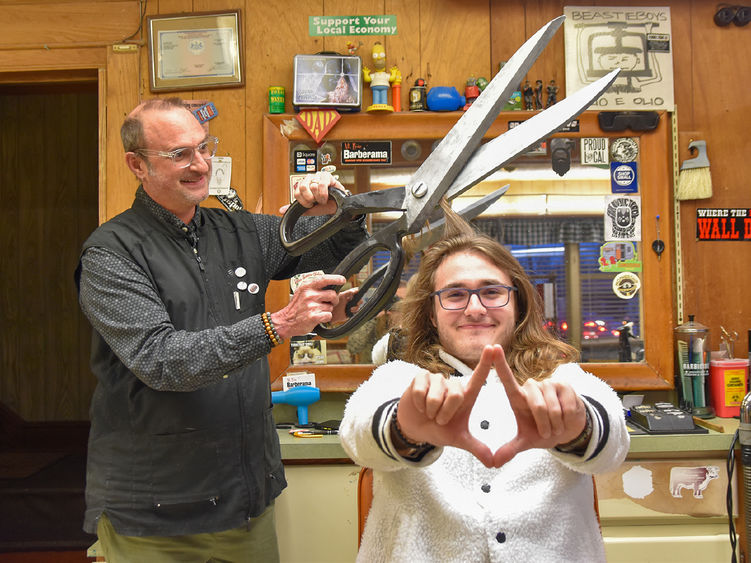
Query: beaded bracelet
[(580, 443), (270, 330), (414, 450)]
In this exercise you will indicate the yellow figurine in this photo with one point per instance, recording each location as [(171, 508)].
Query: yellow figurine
[(380, 80)]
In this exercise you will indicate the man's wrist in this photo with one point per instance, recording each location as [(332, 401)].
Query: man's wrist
[(405, 447), (579, 444)]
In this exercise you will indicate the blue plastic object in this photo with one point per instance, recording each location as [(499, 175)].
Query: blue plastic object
[(445, 98), (299, 397)]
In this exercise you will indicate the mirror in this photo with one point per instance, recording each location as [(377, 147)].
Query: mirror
[(554, 224)]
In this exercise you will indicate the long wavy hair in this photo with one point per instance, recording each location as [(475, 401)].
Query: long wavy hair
[(533, 352)]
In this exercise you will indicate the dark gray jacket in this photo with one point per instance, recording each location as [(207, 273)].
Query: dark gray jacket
[(172, 458)]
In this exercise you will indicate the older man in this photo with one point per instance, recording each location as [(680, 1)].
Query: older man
[(183, 458), (484, 437)]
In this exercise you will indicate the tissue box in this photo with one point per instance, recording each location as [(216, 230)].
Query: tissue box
[(328, 81)]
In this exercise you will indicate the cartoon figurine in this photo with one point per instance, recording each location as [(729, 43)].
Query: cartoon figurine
[(538, 94), (379, 79), (471, 92), (528, 94), (481, 82), (418, 96), (552, 94)]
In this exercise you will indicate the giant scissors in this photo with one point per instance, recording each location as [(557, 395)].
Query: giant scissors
[(455, 165)]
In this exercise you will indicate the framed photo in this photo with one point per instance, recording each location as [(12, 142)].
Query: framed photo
[(193, 51)]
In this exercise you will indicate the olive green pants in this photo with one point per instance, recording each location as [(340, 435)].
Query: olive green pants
[(253, 543)]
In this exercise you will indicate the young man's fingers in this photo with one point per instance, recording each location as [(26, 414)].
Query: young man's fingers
[(538, 408), (480, 374), (453, 400), (513, 390), (436, 395)]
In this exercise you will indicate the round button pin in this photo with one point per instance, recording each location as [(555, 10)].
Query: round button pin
[(242, 286), (253, 288), (240, 271)]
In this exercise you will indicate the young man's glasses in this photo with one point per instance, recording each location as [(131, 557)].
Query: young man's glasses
[(183, 157), (491, 296)]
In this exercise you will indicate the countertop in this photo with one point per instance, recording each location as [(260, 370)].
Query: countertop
[(328, 449)]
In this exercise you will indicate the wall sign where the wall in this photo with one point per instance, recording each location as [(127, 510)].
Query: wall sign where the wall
[(723, 224)]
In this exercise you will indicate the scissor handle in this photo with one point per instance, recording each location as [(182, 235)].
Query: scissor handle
[(383, 293), (289, 220)]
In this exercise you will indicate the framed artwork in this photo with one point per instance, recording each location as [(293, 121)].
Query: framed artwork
[(194, 51)]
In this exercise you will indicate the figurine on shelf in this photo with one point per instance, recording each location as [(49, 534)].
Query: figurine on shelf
[(538, 94), (529, 96), (352, 48), (552, 94), (481, 82), (471, 92), (396, 89), (379, 79), (418, 96)]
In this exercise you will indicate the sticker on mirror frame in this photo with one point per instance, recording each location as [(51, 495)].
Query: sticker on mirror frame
[(623, 178), (305, 161), (617, 256), (624, 149), (622, 217), (626, 285), (366, 152), (594, 151)]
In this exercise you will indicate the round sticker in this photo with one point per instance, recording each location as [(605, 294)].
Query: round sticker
[(626, 284), (623, 175), (624, 149)]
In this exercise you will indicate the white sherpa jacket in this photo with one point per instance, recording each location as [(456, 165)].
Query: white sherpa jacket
[(449, 507)]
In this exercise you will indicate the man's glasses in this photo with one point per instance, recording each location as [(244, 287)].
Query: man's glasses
[(183, 157), (491, 296)]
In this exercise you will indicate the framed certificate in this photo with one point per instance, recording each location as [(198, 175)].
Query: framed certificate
[(193, 51)]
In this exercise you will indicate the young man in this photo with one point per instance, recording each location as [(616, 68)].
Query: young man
[(484, 438), (183, 458)]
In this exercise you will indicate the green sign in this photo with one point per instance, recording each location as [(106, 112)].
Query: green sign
[(351, 25)]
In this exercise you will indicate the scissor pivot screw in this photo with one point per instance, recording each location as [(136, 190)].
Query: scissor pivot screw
[(419, 189)]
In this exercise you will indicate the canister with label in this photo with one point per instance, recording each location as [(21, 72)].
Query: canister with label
[(728, 382), (692, 348), (276, 99)]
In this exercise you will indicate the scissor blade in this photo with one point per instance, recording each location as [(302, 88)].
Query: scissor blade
[(504, 148), (434, 231), (431, 180)]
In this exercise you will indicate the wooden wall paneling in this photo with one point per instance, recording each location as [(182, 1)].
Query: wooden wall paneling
[(55, 217), (30, 191), (144, 63), (274, 37), (403, 49), (64, 23), (166, 7), (506, 33), (454, 41), (681, 23), (716, 271), (30, 60), (122, 96), (231, 107), (10, 286)]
